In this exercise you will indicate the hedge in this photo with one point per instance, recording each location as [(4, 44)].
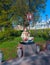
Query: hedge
[(10, 34), (44, 33)]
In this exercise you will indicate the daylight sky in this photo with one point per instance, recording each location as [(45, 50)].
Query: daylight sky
[(47, 12)]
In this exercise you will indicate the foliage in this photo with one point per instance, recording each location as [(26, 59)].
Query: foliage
[(15, 10), (9, 34), (42, 33), (16, 33)]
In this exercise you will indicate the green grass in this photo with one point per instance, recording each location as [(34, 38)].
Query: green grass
[(9, 48)]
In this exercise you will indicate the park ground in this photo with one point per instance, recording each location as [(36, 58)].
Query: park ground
[(9, 47)]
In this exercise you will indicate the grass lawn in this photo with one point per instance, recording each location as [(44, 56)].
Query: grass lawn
[(9, 48)]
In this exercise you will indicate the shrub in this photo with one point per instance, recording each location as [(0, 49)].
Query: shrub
[(10, 34), (16, 33), (32, 32), (44, 33), (1, 35)]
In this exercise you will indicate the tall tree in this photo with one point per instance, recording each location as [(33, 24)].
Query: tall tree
[(35, 6), (11, 9)]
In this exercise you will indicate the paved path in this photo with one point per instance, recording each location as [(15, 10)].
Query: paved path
[(37, 59), (43, 58)]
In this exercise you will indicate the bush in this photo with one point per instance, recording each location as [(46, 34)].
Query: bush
[(9, 34), (39, 33), (32, 32), (43, 33), (1, 35), (16, 33)]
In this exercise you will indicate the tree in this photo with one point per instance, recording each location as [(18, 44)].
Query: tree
[(35, 6), (9, 8), (15, 8), (5, 15)]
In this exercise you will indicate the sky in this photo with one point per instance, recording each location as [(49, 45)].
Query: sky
[(47, 11)]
